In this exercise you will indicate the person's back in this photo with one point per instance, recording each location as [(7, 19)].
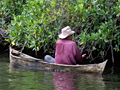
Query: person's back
[(67, 52)]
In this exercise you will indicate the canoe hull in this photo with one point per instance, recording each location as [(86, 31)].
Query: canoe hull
[(28, 62)]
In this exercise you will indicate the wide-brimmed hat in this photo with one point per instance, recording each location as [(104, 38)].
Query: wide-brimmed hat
[(65, 32)]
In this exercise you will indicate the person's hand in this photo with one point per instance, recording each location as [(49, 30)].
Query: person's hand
[(83, 55)]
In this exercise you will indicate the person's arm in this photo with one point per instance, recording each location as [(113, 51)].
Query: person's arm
[(77, 54)]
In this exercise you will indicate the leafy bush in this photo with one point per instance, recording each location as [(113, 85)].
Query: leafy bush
[(8, 8), (96, 23), (35, 26)]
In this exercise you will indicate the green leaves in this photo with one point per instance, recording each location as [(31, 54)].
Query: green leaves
[(32, 25), (53, 3), (39, 22)]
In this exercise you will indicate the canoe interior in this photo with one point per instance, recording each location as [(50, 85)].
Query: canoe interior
[(25, 61)]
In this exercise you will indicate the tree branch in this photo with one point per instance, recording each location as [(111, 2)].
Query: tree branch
[(23, 46), (112, 59)]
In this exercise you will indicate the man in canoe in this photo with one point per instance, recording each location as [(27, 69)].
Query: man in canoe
[(67, 51)]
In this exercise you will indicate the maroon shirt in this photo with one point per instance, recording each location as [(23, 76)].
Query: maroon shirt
[(67, 52)]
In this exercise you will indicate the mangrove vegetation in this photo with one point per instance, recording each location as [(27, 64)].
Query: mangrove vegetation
[(35, 24)]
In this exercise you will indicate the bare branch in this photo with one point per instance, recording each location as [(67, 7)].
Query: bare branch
[(112, 59), (23, 46)]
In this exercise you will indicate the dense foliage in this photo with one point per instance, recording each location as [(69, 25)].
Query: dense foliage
[(38, 23), (8, 8)]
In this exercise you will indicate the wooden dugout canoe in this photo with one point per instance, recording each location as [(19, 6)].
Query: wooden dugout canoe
[(25, 61)]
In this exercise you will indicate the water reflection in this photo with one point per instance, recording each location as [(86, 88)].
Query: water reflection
[(112, 82), (78, 81), (30, 79), (64, 81), (44, 80), (12, 78)]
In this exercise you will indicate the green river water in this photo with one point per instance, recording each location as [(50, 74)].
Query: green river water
[(21, 79)]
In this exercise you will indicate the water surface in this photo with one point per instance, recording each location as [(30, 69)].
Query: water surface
[(20, 79)]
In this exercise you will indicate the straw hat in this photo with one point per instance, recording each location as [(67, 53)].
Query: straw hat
[(65, 32)]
